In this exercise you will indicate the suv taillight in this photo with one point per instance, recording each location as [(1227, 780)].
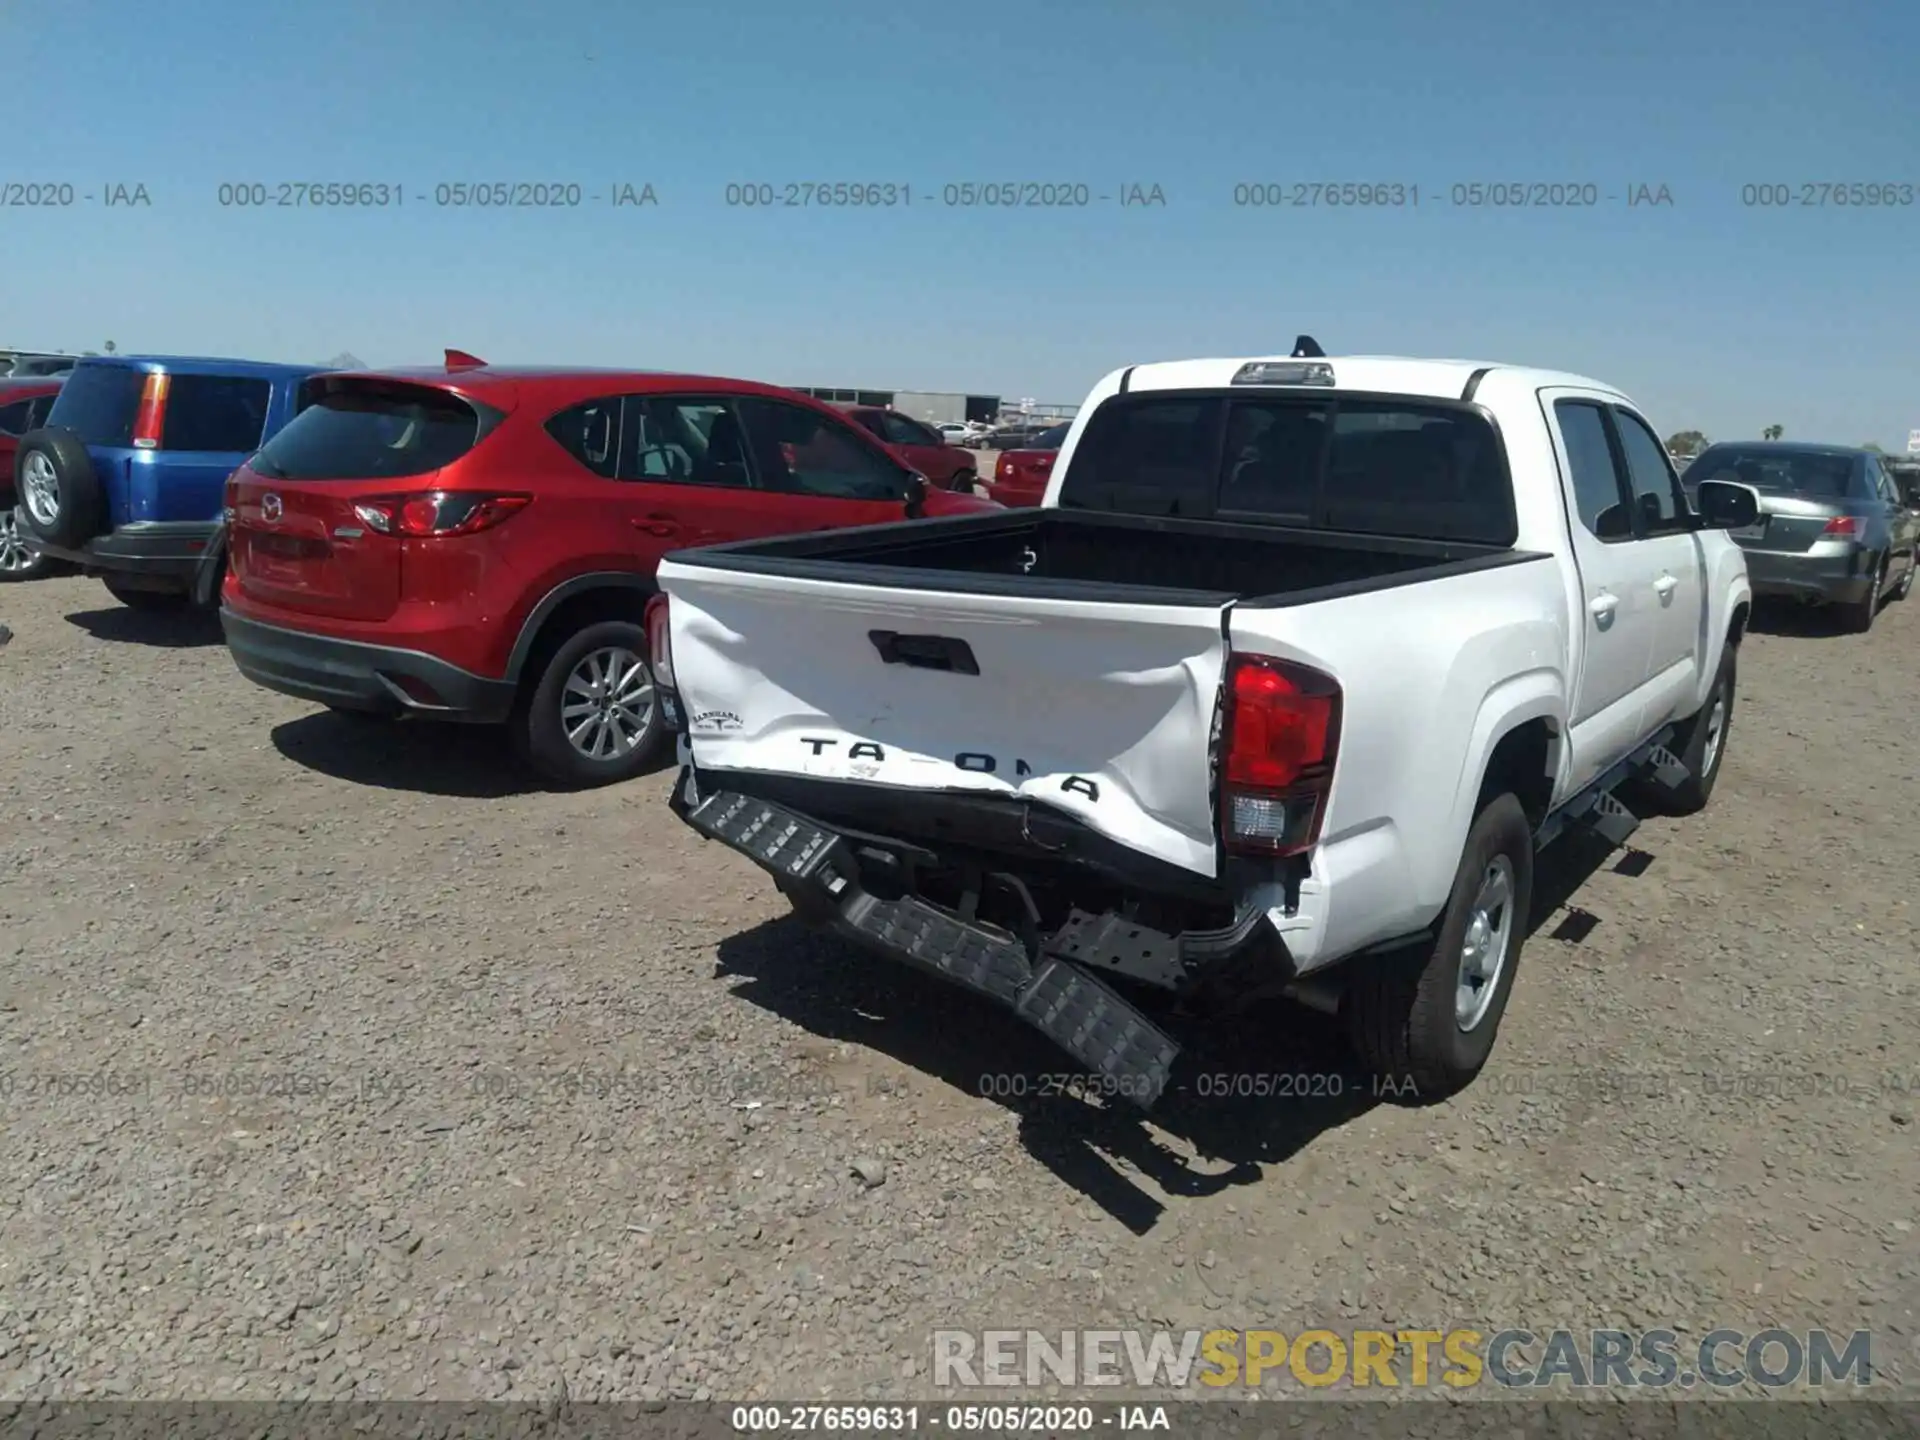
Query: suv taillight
[(439, 513), (150, 419), (1281, 732), (660, 642), (1844, 527)]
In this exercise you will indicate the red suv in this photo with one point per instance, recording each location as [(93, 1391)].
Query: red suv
[(479, 544), (23, 406), (919, 447)]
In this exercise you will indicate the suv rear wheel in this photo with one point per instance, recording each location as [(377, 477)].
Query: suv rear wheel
[(592, 717)]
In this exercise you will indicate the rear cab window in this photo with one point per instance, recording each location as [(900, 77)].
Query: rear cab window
[(1369, 464), (362, 430)]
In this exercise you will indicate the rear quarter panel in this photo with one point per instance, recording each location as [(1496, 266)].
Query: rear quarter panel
[(1432, 675)]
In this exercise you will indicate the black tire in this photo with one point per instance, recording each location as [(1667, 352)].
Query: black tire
[(78, 506), (539, 732), (1696, 735), (18, 560), (1905, 587), (1399, 1008), (1857, 618), (157, 601)]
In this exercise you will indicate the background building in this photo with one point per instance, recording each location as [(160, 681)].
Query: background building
[(933, 407)]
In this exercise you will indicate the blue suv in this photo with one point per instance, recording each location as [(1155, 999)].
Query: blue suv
[(127, 478)]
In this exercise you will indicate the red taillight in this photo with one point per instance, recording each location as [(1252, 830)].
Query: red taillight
[(439, 514), (1004, 470), (150, 419), (1282, 729), (660, 642), (1844, 527)]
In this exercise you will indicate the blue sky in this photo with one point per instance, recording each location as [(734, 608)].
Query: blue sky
[(1713, 314)]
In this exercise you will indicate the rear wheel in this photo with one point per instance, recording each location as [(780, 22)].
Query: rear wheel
[(1424, 1020), (593, 715), (154, 600), (1703, 742), (1857, 618)]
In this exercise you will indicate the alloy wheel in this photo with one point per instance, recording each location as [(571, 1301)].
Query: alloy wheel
[(607, 704)]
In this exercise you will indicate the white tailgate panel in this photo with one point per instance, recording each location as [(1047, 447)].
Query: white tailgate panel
[(1121, 696)]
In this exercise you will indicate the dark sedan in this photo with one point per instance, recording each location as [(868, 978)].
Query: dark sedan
[(1834, 526)]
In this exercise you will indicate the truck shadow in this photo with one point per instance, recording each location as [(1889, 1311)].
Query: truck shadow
[(1249, 1091), (459, 761), (159, 629)]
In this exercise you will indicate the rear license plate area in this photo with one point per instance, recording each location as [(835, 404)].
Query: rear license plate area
[(289, 547)]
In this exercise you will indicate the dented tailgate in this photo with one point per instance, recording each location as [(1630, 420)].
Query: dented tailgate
[(1102, 710)]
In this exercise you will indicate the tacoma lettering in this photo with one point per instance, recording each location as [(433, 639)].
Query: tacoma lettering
[(975, 762)]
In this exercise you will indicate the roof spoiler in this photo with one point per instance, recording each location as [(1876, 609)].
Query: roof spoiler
[(1307, 348), (461, 360)]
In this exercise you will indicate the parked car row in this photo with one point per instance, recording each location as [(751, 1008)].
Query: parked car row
[(1257, 677), (26, 365)]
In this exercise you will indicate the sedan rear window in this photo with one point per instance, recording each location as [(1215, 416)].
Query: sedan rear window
[(98, 404), (1375, 465), (1809, 473), (366, 432)]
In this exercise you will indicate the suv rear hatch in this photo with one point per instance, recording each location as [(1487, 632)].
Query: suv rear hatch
[(304, 513)]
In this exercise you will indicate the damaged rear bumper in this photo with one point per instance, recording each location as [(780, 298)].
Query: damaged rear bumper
[(819, 869)]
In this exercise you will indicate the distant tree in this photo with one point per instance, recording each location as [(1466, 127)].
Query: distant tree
[(89, 353), (1773, 432), (111, 347), (346, 360), (1869, 445), (1687, 442)]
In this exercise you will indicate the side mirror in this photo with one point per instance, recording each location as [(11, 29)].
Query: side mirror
[(916, 496), (1724, 505)]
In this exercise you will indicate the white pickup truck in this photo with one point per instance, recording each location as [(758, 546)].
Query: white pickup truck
[(1279, 691)]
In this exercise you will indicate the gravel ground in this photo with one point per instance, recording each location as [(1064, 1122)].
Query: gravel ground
[(338, 1060)]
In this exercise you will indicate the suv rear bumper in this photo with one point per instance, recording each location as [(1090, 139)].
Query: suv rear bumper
[(164, 551), (352, 675)]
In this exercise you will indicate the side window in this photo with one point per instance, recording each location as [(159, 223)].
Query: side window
[(801, 451), (691, 441), (1656, 495), (1883, 483), (902, 431), (215, 412), (38, 411), (1598, 494), (17, 418), (590, 433)]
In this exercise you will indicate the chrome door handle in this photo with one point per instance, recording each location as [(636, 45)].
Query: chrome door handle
[(1665, 586), (1603, 607)]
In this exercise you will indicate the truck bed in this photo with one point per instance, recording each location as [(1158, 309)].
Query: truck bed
[(1086, 555)]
